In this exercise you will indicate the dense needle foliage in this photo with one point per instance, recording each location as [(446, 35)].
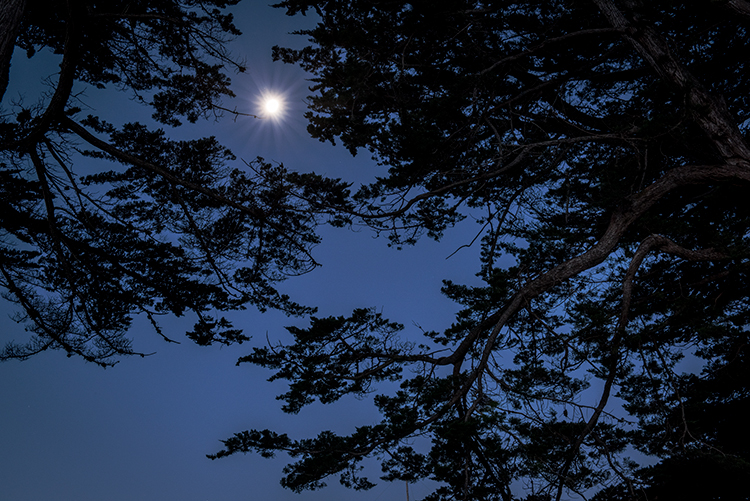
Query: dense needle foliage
[(601, 144), (145, 225)]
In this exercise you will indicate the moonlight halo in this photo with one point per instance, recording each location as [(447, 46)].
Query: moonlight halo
[(272, 105)]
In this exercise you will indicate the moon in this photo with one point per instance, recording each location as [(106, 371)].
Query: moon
[(272, 106)]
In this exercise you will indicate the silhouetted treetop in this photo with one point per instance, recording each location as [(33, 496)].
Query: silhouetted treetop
[(102, 221), (602, 147)]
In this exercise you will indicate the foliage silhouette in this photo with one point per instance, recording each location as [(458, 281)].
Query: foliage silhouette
[(173, 227), (602, 144)]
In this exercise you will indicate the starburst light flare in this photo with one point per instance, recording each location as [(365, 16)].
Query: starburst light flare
[(272, 106)]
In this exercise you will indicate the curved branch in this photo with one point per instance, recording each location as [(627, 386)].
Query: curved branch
[(708, 111), (11, 13), (663, 244), (549, 41), (634, 207), (68, 70), (155, 169), (620, 221), (741, 7), (444, 189), (51, 332), (174, 180)]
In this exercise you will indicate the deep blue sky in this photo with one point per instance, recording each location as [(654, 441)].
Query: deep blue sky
[(73, 431)]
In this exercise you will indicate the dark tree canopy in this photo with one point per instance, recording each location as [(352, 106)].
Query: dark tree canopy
[(101, 221), (602, 145)]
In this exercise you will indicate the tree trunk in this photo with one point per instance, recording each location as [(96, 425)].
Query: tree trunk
[(11, 12)]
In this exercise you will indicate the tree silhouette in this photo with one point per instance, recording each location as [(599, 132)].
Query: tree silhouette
[(602, 145), (174, 227)]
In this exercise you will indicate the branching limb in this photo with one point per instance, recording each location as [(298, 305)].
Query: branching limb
[(10, 24), (548, 42), (260, 216), (708, 111), (741, 7), (52, 332), (664, 244), (68, 72), (444, 189)]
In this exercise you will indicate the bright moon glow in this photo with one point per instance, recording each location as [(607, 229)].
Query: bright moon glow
[(272, 106)]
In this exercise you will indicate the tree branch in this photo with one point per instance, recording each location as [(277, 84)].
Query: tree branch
[(664, 244), (171, 178), (741, 7), (620, 221), (708, 111), (11, 14), (68, 69), (547, 42)]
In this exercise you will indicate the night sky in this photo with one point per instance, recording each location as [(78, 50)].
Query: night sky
[(141, 430)]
